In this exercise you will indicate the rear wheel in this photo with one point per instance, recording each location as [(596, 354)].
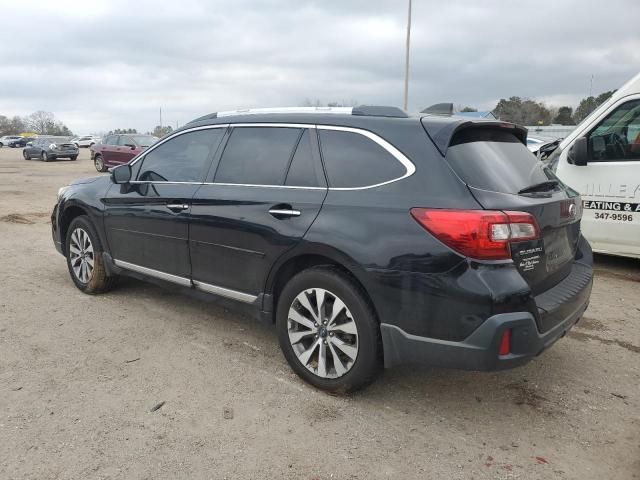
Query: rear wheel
[(328, 331), (84, 257), (44, 156), (26, 155), (73, 157), (99, 163)]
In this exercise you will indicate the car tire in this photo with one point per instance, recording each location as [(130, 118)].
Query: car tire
[(98, 162), (1, 145), (73, 157), (83, 247), (26, 155), (44, 156), (350, 341)]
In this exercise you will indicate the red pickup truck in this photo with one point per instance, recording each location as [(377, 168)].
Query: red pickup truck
[(118, 149)]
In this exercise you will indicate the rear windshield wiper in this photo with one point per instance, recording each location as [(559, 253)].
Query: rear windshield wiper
[(540, 187)]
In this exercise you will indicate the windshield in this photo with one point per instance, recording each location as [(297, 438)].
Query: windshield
[(495, 160), (144, 140)]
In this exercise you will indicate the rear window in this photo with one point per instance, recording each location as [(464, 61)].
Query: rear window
[(495, 160)]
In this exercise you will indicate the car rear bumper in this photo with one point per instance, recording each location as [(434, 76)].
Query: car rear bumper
[(479, 351)]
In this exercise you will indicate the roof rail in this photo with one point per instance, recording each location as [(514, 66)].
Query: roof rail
[(362, 110)]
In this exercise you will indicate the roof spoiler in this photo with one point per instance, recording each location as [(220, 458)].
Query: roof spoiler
[(442, 129), (439, 109)]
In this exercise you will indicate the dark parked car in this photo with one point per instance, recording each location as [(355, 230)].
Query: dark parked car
[(119, 149), (20, 142), (50, 148), (366, 236)]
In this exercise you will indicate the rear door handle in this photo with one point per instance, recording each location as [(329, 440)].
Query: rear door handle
[(283, 211), (177, 207)]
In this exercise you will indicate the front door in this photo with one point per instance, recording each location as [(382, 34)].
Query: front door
[(267, 191), (147, 220)]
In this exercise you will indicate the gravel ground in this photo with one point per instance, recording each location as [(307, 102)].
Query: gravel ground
[(145, 384)]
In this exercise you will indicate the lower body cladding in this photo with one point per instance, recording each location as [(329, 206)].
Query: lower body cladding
[(503, 340)]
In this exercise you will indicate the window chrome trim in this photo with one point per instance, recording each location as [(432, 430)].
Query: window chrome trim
[(225, 292), (397, 154), (393, 151), (185, 282), (259, 111)]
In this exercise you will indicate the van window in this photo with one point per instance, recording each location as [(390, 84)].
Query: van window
[(257, 155), (353, 160), (184, 158), (305, 171), (617, 137), (495, 160)]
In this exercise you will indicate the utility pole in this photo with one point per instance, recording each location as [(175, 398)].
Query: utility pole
[(406, 65), (160, 117), (591, 87)]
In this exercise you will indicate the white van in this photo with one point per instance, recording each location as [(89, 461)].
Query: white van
[(601, 160)]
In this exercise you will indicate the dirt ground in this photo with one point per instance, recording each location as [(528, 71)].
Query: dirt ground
[(80, 376)]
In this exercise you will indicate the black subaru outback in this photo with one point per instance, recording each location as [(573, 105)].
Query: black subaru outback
[(367, 236)]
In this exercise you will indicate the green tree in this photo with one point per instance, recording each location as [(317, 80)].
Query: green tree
[(160, 131), (589, 104), (122, 130), (523, 111), (468, 109), (564, 116)]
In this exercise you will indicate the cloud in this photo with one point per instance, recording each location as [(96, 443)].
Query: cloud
[(112, 64)]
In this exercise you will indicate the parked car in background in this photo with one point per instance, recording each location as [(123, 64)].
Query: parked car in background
[(4, 141), (118, 149), (364, 234), (20, 142), (85, 141), (50, 148)]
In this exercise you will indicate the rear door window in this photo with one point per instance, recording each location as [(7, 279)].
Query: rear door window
[(257, 155), (494, 160), (353, 160)]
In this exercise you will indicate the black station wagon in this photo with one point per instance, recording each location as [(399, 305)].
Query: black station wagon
[(367, 236)]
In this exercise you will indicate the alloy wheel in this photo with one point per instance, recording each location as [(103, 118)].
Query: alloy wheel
[(81, 255), (99, 163), (322, 333)]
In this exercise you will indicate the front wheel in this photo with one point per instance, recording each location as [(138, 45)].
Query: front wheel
[(328, 330), (73, 157), (99, 164), (84, 257)]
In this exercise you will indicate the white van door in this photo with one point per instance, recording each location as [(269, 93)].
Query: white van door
[(610, 182)]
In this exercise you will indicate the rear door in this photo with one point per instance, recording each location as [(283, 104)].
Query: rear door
[(501, 172), (265, 193), (108, 150), (147, 221)]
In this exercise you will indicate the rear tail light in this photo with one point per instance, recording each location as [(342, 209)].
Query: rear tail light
[(479, 234)]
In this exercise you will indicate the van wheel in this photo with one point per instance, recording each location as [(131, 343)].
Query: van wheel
[(328, 331), (84, 257)]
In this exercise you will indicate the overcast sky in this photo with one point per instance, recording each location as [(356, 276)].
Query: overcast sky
[(100, 65)]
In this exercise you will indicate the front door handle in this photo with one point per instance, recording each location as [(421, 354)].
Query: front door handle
[(283, 211), (177, 207)]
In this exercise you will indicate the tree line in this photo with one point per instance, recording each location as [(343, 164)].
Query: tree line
[(40, 122), (525, 111)]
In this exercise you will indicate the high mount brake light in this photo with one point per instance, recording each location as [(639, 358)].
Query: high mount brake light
[(479, 234)]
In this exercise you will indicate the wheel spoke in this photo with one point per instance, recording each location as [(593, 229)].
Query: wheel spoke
[(295, 337), (338, 307), (304, 301), (341, 369), (89, 261), (349, 350), (298, 318), (322, 359), (320, 299), (74, 249), (347, 327), (306, 355)]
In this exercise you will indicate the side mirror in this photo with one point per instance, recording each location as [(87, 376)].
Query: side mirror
[(579, 153), (121, 174), (133, 147)]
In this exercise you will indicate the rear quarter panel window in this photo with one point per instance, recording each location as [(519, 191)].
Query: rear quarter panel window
[(352, 160)]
